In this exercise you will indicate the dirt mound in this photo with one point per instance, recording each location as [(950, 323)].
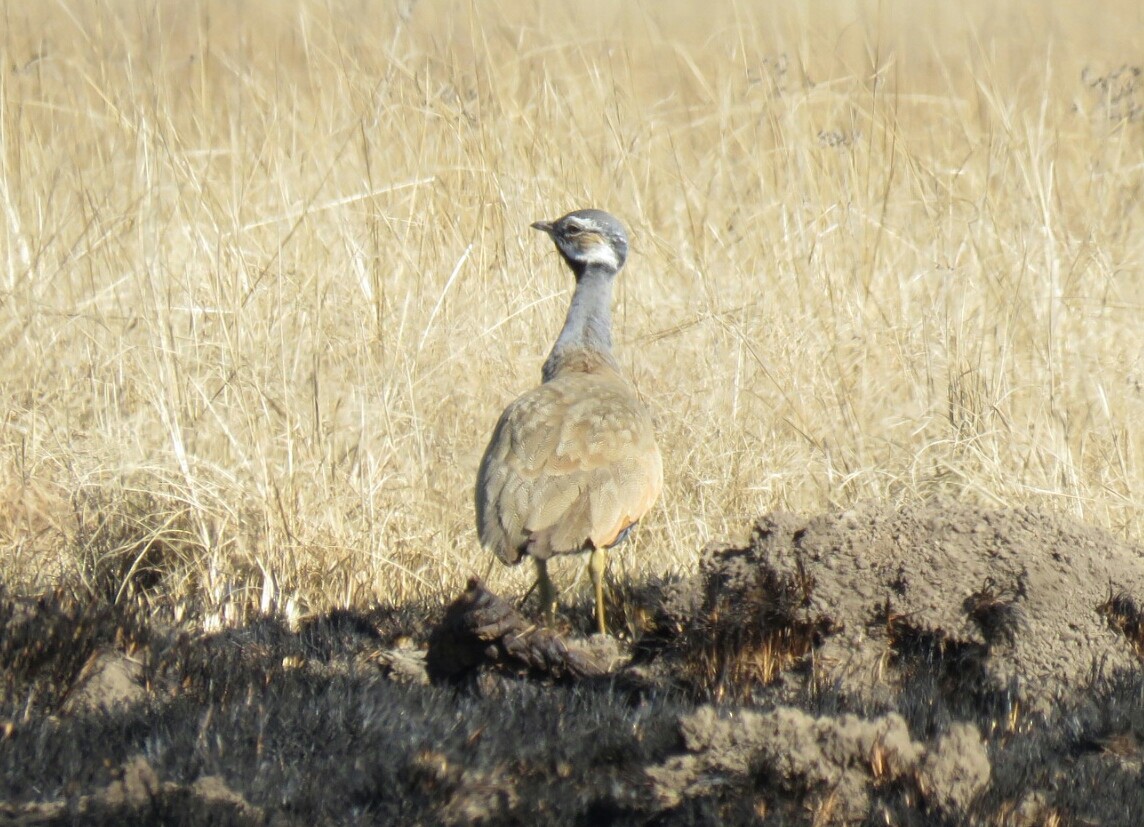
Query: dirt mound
[(136, 790), (834, 761), (1015, 604)]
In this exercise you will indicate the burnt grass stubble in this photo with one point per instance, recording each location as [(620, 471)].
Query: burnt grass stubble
[(338, 722)]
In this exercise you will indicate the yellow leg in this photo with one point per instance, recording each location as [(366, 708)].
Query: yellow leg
[(596, 565), (547, 592)]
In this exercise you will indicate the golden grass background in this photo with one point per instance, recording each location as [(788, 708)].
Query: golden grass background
[(267, 278)]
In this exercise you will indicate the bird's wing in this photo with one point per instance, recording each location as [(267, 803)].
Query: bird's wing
[(571, 464)]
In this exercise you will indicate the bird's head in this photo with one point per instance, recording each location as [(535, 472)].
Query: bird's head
[(588, 239)]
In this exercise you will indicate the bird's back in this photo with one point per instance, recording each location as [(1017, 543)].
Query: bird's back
[(571, 465)]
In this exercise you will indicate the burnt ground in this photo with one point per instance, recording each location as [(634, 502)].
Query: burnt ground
[(935, 665)]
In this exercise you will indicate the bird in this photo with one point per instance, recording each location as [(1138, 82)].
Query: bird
[(573, 463)]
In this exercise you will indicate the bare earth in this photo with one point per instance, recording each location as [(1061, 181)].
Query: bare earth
[(933, 665), (1015, 592)]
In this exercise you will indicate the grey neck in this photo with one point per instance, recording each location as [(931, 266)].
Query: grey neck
[(589, 322)]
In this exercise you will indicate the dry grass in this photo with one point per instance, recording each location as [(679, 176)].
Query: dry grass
[(266, 278)]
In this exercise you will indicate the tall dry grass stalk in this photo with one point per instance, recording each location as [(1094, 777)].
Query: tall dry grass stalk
[(266, 276)]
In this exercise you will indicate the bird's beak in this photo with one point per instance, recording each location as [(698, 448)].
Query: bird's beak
[(543, 226)]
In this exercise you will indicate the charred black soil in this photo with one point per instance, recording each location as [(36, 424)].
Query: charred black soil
[(936, 665)]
